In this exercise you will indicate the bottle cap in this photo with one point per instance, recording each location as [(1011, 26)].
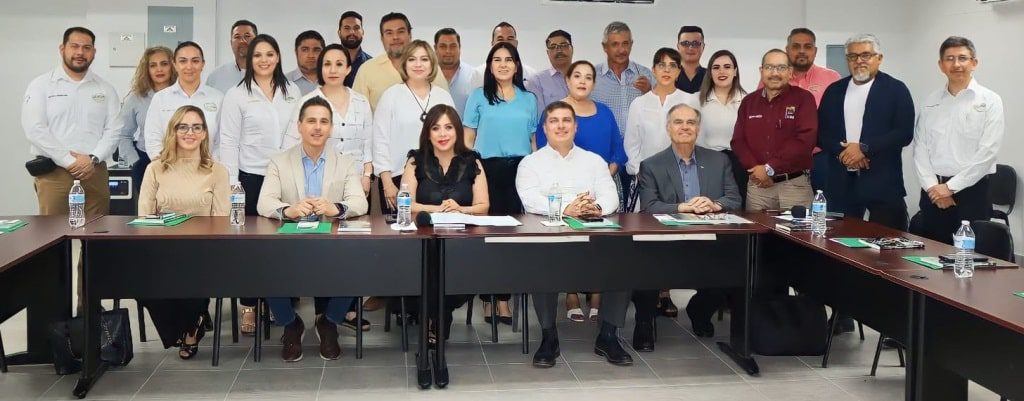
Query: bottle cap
[(965, 222), (77, 182)]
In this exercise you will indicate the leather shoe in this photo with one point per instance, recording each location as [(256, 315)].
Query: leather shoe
[(643, 337), (373, 303), (607, 345), (548, 352), (292, 340), (702, 327), (327, 333)]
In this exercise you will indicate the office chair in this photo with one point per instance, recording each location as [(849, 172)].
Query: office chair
[(1002, 190)]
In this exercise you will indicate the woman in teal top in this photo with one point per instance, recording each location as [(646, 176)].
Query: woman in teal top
[(500, 121)]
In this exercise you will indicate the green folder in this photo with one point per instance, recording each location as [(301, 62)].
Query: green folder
[(1019, 294), (293, 228), (9, 226), (576, 224), (169, 223), (851, 242), (924, 261)]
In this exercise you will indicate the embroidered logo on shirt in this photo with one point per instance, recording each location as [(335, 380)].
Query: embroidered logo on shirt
[(981, 107), (755, 116), (790, 113), (289, 99), (210, 106), (99, 97)]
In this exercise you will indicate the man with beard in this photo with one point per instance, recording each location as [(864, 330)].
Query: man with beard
[(776, 128), (802, 49), (308, 46), (958, 134), (550, 85), (350, 33), (228, 75), (70, 118), (381, 72), (448, 46)]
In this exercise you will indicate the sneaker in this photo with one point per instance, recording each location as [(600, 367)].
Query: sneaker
[(327, 333), (292, 340)]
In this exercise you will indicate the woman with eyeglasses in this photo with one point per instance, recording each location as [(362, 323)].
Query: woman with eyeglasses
[(183, 179)]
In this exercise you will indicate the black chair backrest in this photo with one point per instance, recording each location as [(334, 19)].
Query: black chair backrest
[(1002, 186), (993, 239), (916, 225)]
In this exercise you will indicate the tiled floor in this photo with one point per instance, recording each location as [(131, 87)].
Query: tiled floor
[(682, 367)]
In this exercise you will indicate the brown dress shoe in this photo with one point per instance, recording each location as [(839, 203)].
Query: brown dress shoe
[(373, 303), (327, 333), (292, 340)]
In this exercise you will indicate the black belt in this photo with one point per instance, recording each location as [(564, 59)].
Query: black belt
[(943, 180), (777, 178)]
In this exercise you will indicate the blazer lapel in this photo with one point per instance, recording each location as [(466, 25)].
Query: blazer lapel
[(673, 174), (298, 172), (702, 179), (330, 163)]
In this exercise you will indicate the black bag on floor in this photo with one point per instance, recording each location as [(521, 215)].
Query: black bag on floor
[(787, 325), (67, 341)]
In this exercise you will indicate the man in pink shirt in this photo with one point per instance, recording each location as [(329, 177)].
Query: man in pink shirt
[(801, 48)]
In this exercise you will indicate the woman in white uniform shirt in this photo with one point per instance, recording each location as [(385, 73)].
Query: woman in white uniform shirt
[(253, 120), (153, 74), (645, 124), (400, 114), (720, 97), (352, 116)]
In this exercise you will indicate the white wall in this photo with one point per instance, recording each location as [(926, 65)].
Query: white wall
[(910, 32)]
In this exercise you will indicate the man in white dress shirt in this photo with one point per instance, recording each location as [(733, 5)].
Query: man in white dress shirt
[(230, 74), (957, 137), (70, 118), (587, 191), (308, 46)]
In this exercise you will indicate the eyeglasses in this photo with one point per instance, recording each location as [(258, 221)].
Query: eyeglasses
[(691, 43), (775, 67), (666, 66), (860, 56), (560, 46), (961, 59), (184, 129)]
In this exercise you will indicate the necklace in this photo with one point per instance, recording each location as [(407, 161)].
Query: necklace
[(423, 107)]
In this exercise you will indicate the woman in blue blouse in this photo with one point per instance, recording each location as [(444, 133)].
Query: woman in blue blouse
[(500, 121), (596, 131)]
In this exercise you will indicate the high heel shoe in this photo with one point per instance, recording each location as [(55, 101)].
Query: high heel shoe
[(188, 351), (667, 308)]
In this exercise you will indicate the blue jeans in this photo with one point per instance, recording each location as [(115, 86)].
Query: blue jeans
[(284, 312)]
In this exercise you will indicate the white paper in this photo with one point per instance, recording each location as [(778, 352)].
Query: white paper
[(410, 227), (729, 219), (468, 219), (539, 239), (546, 223), (673, 237), (788, 217)]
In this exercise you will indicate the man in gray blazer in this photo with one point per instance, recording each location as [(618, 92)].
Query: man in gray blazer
[(686, 178)]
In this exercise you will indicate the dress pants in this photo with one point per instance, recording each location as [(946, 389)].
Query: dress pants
[(972, 203), (613, 308), (172, 317), (501, 187), (284, 312), (780, 196)]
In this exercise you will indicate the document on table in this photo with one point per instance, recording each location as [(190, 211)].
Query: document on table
[(468, 219), (686, 219)]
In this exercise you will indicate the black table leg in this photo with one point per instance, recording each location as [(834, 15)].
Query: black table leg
[(92, 367), (359, 328), (738, 347), (526, 323), (423, 376), (440, 364), (257, 351), (218, 304)]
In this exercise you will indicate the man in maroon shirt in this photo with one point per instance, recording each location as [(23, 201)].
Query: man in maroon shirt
[(776, 130)]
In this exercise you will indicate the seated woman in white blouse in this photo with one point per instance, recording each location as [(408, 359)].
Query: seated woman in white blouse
[(183, 179)]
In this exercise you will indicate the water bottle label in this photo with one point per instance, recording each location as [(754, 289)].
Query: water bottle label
[(405, 201), (237, 198), (76, 198), (964, 243), (817, 207)]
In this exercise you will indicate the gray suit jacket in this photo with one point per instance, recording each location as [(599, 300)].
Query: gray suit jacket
[(661, 187)]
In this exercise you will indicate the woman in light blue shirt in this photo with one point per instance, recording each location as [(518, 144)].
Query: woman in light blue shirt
[(153, 74), (500, 121)]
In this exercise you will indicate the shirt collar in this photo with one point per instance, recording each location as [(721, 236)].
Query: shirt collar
[(59, 74), (176, 88), (603, 69), (319, 160), (764, 92), (680, 160), (568, 156), (737, 97)]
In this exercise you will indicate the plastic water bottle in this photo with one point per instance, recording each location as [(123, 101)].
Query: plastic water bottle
[(404, 203), (76, 205), (963, 265), (237, 215), (555, 203), (819, 210)]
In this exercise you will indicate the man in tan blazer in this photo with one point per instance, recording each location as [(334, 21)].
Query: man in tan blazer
[(307, 183)]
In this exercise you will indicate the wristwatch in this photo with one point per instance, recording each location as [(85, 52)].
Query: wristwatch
[(769, 170), (95, 160)]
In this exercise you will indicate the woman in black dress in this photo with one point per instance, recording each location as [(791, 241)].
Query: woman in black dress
[(445, 176)]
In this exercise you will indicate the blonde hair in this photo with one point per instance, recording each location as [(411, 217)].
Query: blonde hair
[(407, 52), (169, 154), (142, 83)]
